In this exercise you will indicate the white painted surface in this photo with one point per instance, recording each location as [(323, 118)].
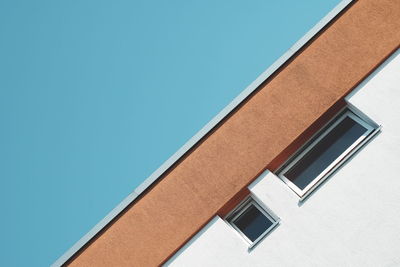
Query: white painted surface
[(353, 219)]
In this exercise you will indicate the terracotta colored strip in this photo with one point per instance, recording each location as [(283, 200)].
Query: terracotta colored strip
[(270, 124)]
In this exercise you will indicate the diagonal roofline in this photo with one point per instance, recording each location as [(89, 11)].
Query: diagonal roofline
[(200, 134)]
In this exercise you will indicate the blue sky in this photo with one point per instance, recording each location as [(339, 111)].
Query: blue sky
[(96, 95)]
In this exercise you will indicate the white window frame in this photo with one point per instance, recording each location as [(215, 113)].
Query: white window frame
[(371, 130), (241, 208)]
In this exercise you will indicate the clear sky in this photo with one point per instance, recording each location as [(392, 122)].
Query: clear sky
[(95, 95)]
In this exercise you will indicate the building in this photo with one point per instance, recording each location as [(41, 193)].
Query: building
[(301, 169)]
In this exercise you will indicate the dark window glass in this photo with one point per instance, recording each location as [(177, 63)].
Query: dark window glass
[(327, 150), (252, 223)]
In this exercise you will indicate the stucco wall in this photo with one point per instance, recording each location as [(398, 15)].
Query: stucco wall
[(353, 219)]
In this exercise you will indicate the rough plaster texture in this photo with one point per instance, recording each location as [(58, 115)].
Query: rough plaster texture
[(227, 160), (353, 219)]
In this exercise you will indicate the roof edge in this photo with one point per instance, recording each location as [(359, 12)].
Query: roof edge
[(200, 134)]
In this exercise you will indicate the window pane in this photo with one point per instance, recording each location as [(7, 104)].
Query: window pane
[(328, 149), (252, 223)]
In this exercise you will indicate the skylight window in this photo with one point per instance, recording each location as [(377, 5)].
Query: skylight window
[(251, 221), (326, 152)]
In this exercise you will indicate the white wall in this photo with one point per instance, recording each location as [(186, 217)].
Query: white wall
[(353, 219)]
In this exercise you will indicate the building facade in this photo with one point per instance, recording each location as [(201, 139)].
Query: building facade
[(300, 170), (351, 219)]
